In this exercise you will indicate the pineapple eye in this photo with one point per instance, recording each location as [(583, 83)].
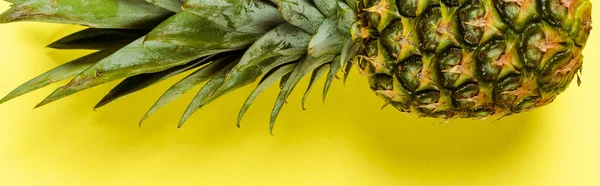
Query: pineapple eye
[(503, 97), (431, 29), (516, 13), (409, 71), (451, 2), (557, 12), (532, 45), (382, 82), (492, 59), (482, 112), (409, 7), (447, 62), (425, 101), (509, 10), (526, 104), (473, 21), (464, 96), (560, 71)]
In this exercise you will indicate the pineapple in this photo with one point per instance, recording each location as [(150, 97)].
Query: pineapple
[(435, 58)]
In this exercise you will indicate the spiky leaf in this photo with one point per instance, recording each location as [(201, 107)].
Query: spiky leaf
[(201, 75), (59, 73), (135, 58), (269, 78), (334, 69), (246, 16), (98, 39), (327, 7), (302, 68), (171, 5), (231, 80), (92, 13), (327, 40), (138, 82), (191, 30), (301, 13), (316, 75)]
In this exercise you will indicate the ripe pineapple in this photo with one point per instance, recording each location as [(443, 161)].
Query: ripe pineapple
[(435, 58)]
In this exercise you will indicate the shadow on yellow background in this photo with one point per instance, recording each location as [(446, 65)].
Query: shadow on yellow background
[(346, 141)]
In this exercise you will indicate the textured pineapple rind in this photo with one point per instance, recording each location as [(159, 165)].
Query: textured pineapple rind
[(471, 58)]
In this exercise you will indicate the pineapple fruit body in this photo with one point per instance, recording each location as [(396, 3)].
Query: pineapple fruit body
[(471, 58)]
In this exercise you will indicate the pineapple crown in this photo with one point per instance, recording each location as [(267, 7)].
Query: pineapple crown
[(229, 44)]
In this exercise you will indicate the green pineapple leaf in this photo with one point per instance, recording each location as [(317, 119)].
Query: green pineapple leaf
[(283, 80), (244, 16), (171, 5), (231, 80), (334, 69), (316, 75), (281, 45), (92, 13), (133, 59), (301, 13), (59, 73), (265, 83), (303, 67), (190, 30), (98, 39), (186, 84), (138, 82), (327, 7), (327, 40)]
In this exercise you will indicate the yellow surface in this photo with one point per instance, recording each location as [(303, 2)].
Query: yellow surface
[(347, 141)]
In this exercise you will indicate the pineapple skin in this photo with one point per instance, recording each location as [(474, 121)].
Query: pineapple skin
[(471, 58)]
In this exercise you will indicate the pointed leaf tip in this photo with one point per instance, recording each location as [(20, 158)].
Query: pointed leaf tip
[(183, 86), (301, 69), (269, 79), (57, 74), (203, 96), (317, 73), (334, 69), (139, 82)]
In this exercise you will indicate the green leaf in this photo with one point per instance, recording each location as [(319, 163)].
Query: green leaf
[(266, 82), (327, 7), (349, 50), (347, 69), (353, 4), (245, 16), (191, 81), (285, 40), (138, 82), (335, 68), (327, 40), (346, 17), (206, 90), (229, 81), (98, 39), (135, 58), (92, 13), (301, 13), (317, 73), (302, 68), (190, 30), (283, 80), (171, 5), (59, 73), (281, 45)]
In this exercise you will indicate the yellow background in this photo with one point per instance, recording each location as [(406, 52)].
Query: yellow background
[(347, 141)]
